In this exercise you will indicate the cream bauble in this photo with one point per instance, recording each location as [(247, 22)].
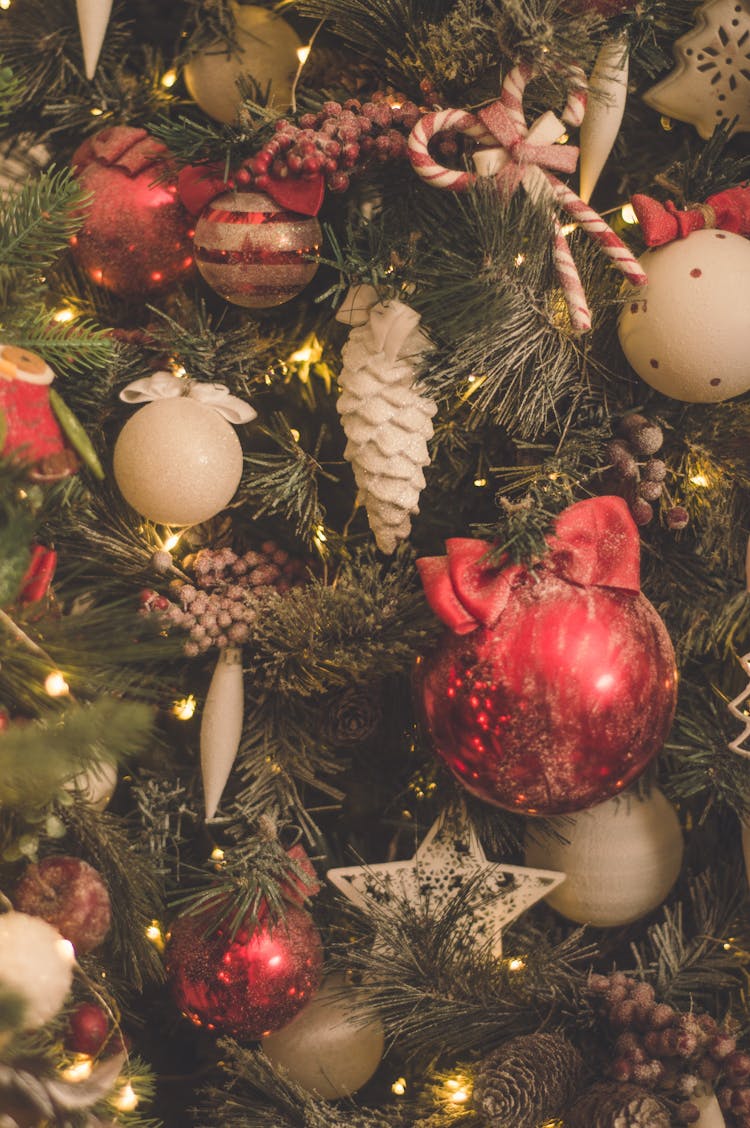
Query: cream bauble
[(267, 53), (332, 1048), (620, 858), (36, 963), (687, 332), (96, 784), (177, 461)]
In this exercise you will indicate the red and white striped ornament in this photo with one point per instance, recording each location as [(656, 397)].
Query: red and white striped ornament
[(253, 252)]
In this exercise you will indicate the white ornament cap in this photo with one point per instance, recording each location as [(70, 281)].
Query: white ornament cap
[(93, 18)]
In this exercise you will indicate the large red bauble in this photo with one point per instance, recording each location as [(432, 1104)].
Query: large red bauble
[(249, 984), (254, 252), (560, 705), (136, 238)]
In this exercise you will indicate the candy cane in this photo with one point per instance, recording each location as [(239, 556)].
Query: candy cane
[(537, 178)]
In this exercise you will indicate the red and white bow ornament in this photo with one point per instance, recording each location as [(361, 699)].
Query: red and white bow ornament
[(515, 154)]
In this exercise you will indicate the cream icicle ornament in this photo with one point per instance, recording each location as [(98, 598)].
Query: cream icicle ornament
[(93, 17), (387, 419)]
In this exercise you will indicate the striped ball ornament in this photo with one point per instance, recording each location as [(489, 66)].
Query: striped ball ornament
[(253, 252)]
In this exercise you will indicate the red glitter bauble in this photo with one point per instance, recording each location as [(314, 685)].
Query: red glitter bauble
[(249, 984), (136, 238), (560, 705), (70, 895), (254, 252), (88, 1029)]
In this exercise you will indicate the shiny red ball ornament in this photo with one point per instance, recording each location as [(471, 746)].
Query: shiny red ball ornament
[(247, 984), (557, 686), (136, 238), (88, 1030), (254, 252)]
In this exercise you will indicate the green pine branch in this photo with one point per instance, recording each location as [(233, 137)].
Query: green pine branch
[(37, 222)]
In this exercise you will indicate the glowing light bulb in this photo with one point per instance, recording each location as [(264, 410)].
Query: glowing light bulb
[(520, 259), (217, 854), (320, 535), (61, 316), (155, 935), (295, 434), (79, 1069), (303, 54), (184, 709), (479, 482), (568, 228), (5, 4), (516, 964), (168, 79), (96, 111), (460, 1096), (171, 542), (399, 1086), (55, 684), (127, 1099), (699, 480), (628, 214)]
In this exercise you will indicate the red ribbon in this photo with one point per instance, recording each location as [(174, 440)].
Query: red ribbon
[(595, 544), (198, 185), (662, 223), (39, 574), (521, 151)]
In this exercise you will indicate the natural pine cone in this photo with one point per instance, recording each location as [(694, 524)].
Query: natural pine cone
[(613, 1105), (353, 716), (528, 1080)]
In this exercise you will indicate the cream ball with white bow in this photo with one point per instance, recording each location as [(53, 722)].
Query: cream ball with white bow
[(178, 460)]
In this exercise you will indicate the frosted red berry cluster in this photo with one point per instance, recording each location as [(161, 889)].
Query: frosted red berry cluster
[(335, 143), (677, 1054)]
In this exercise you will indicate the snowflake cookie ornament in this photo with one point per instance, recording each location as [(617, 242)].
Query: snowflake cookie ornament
[(451, 863), (710, 84), (386, 418)]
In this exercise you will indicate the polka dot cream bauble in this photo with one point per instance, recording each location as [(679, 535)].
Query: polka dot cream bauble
[(266, 52), (36, 963), (177, 461), (620, 858), (331, 1048), (687, 331)]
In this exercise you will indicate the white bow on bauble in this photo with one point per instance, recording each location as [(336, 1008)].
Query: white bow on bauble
[(165, 385)]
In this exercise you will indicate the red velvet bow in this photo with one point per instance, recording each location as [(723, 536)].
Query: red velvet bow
[(662, 223), (198, 185), (521, 148), (595, 543)]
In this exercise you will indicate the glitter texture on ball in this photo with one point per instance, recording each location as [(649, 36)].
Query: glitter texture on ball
[(248, 984)]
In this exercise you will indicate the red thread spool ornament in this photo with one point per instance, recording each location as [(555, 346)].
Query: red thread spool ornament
[(136, 237), (555, 688), (248, 984), (254, 252)]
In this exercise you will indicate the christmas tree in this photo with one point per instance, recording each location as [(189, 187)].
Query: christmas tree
[(375, 503)]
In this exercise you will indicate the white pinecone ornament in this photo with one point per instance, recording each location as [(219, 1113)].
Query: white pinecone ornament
[(387, 419)]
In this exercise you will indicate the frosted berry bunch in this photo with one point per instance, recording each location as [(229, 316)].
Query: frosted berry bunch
[(642, 477), (677, 1054), (335, 143), (219, 608)]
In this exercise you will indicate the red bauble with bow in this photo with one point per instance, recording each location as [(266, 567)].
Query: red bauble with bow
[(556, 686)]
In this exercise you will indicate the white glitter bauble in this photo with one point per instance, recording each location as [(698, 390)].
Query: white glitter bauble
[(331, 1047), (267, 53), (177, 461), (620, 858), (96, 784), (687, 332), (36, 962)]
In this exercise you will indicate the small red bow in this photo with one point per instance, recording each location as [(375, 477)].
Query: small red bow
[(198, 185), (663, 223), (595, 544)]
